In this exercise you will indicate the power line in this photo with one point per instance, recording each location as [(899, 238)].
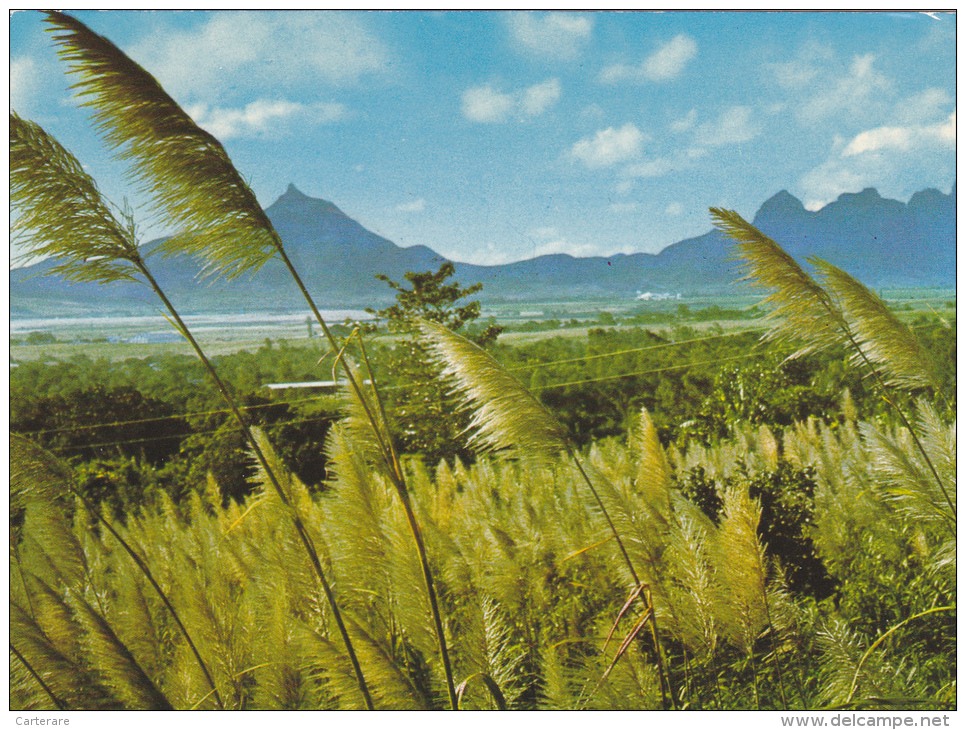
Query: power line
[(409, 385), (323, 418), (225, 411)]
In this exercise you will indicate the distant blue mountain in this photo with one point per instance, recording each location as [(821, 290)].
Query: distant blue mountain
[(882, 242)]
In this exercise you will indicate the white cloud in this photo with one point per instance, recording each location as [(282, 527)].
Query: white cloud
[(488, 104), (548, 240), (621, 208), (923, 107), (23, 73), (562, 245), (666, 63), (734, 125), (903, 139), (415, 206), (684, 123), (857, 93), (897, 160), (263, 51), (540, 97), (657, 167), (551, 35), (674, 209), (609, 146), (874, 139), (261, 116), (805, 68)]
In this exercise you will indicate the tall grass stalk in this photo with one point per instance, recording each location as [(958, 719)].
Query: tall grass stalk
[(843, 311), (93, 245), (507, 416), (193, 181)]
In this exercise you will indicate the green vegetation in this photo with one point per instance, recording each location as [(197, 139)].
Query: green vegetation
[(638, 519)]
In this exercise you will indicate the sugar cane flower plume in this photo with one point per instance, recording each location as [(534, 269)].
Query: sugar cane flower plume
[(184, 170)]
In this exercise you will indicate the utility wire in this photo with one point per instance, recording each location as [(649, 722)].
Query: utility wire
[(531, 366), (409, 385), (324, 418)]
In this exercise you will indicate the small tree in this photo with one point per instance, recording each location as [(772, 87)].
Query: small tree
[(428, 423)]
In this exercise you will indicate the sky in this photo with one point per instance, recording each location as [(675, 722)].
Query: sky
[(498, 136)]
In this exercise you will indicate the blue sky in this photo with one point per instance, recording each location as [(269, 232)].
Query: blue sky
[(493, 137)]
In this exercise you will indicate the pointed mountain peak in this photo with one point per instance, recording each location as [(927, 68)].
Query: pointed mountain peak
[(293, 198), (781, 205)]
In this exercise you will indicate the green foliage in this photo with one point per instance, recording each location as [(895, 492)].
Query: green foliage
[(426, 421), (808, 566)]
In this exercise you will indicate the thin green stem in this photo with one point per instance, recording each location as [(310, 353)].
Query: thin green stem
[(666, 688), (395, 472), (858, 669), (883, 389), (142, 566), (273, 479)]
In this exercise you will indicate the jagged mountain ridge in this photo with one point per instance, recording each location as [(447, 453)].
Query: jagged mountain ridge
[(882, 242)]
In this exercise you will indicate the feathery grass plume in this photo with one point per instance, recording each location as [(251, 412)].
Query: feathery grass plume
[(59, 212), (654, 480), (804, 310), (363, 421), (503, 656), (505, 413), (740, 559), (32, 454), (392, 687), (356, 507), (907, 477), (767, 447), (115, 663), (695, 591), (879, 335), (72, 682), (23, 686), (843, 674), (42, 482), (186, 170), (50, 609)]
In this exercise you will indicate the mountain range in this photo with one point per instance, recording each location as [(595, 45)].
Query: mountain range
[(882, 242)]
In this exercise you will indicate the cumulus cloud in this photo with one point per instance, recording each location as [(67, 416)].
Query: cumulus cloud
[(733, 125), (923, 107), (262, 117), (489, 104), (486, 104), (540, 97), (903, 139), (550, 35), (268, 50), (562, 245), (609, 146), (858, 93), (878, 138), (415, 206), (807, 66), (900, 157), (548, 240), (666, 63)]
